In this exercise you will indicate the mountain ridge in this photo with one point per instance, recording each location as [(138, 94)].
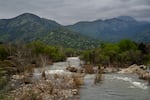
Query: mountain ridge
[(111, 30), (29, 27)]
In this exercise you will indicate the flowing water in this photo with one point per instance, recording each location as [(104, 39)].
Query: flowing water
[(113, 86), (58, 67)]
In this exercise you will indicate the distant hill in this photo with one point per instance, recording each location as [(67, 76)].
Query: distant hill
[(144, 35), (114, 29)]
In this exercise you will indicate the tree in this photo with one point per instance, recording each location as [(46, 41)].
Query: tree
[(111, 50), (86, 56), (126, 45), (142, 47)]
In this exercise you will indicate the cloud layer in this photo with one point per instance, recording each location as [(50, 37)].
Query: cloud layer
[(71, 11)]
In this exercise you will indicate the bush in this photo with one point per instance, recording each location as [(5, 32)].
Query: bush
[(88, 69), (3, 52)]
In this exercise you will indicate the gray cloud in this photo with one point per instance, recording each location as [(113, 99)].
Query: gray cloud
[(71, 11)]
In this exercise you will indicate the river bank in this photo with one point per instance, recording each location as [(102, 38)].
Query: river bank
[(52, 82)]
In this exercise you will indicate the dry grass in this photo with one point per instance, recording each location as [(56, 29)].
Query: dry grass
[(88, 69), (57, 87), (78, 80)]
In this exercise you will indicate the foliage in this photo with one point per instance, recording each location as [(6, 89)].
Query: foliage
[(20, 58), (126, 45), (3, 52), (53, 53), (124, 52), (69, 39)]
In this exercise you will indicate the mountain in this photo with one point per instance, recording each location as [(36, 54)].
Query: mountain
[(126, 18), (29, 27), (144, 35), (25, 27), (112, 30)]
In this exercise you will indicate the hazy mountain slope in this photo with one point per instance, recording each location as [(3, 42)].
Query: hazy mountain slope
[(144, 35), (111, 29)]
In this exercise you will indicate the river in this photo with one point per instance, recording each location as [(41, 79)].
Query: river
[(113, 86)]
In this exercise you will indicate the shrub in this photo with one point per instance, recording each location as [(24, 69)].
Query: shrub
[(3, 52), (88, 69)]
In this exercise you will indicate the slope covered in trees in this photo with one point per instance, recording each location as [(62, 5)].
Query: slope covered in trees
[(66, 38)]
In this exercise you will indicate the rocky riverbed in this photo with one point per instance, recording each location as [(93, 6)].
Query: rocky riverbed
[(49, 83)]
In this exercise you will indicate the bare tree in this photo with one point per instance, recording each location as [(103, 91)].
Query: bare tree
[(9, 49), (44, 60)]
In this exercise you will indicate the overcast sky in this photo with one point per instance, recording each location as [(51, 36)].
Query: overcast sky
[(71, 11)]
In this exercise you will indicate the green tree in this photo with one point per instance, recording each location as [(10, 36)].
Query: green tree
[(126, 45), (86, 56), (111, 50)]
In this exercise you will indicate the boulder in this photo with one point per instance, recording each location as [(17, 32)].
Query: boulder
[(18, 77), (110, 70), (75, 92), (144, 75), (143, 67), (131, 69), (72, 69)]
